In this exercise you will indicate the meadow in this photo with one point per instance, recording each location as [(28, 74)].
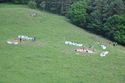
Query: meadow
[(48, 59)]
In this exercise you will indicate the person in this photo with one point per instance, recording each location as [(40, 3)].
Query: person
[(34, 14), (20, 39), (34, 39), (115, 43)]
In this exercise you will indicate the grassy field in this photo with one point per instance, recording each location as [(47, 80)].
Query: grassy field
[(49, 60)]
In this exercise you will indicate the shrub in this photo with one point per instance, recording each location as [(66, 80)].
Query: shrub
[(77, 13), (32, 4), (20, 1), (115, 28)]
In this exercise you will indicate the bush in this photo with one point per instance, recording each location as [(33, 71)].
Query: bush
[(32, 4), (101, 17), (20, 1), (54, 6), (115, 28), (77, 13)]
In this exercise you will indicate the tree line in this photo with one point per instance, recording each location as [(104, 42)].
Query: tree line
[(55, 6), (104, 17)]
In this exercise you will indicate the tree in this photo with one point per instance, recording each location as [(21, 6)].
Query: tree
[(115, 28), (20, 1), (77, 13), (100, 10), (55, 6)]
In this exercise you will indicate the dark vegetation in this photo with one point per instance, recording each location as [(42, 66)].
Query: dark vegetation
[(104, 17)]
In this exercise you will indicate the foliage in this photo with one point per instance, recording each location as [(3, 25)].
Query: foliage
[(100, 10), (77, 13), (20, 1), (96, 15), (115, 28), (55, 6), (2, 0), (48, 60), (32, 4)]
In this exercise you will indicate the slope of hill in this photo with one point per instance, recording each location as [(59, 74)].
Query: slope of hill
[(48, 59)]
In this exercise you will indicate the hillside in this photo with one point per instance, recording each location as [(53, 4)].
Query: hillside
[(48, 59)]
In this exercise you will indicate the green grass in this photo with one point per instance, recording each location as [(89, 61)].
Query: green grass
[(48, 60)]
